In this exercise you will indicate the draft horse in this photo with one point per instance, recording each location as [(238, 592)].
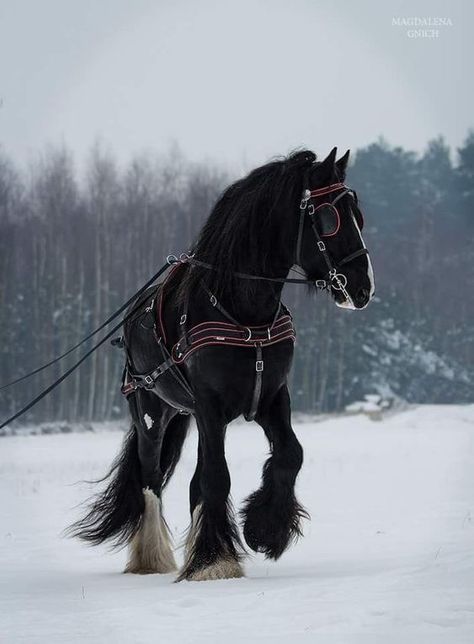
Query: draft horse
[(215, 342)]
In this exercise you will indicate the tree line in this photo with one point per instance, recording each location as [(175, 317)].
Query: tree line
[(74, 246)]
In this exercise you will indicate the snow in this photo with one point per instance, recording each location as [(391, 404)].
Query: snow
[(388, 556)]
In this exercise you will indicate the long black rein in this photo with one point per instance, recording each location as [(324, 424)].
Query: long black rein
[(172, 259)]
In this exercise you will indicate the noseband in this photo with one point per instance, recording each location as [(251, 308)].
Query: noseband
[(335, 279)]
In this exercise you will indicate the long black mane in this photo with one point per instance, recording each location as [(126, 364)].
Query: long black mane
[(239, 235)]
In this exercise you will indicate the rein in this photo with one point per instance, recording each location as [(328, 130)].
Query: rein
[(333, 279)]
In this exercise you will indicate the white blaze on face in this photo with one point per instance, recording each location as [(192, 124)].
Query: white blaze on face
[(348, 303), (370, 270)]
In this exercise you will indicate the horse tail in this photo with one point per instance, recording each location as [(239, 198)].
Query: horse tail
[(115, 513)]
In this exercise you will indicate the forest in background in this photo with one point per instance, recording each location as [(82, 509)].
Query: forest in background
[(74, 248)]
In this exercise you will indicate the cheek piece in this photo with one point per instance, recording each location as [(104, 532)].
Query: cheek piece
[(334, 278)]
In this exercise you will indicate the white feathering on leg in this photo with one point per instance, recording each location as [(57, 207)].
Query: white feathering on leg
[(192, 533), (224, 568), (150, 549)]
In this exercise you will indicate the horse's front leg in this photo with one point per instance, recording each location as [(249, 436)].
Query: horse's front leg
[(272, 514), (213, 548), (150, 549)]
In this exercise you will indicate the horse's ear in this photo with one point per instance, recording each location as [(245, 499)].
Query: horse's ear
[(326, 172), (341, 165)]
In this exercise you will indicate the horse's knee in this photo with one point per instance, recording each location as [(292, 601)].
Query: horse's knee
[(215, 484), (294, 454), (272, 515), (286, 460)]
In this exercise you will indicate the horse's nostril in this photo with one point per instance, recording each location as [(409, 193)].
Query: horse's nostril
[(362, 296)]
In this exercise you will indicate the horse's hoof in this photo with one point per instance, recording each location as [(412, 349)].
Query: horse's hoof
[(138, 570), (225, 568)]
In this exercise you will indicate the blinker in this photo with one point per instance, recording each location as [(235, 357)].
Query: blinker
[(327, 220)]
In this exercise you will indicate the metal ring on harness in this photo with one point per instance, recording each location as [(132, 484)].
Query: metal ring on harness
[(249, 331), (339, 281), (171, 259)]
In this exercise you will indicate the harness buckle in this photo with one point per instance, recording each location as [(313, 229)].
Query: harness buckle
[(321, 246), (183, 319), (149, 382), (259, 365), (340, 282), (149, 308), (213, 300), (305, 199)]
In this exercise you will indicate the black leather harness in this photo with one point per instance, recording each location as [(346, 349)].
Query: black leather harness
[(233, 333), (206, 334)]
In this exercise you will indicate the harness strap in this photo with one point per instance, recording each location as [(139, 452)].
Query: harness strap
[(357, 253), (175, 371), (249, 276), (218, 306), (257, 390), (134, 381)]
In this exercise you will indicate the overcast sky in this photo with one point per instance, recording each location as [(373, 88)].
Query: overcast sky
[(235, 81)]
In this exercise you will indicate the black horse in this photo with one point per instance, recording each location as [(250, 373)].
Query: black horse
[(215, 342)]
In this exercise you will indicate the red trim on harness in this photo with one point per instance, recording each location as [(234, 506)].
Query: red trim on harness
[(247, 334), (129, 388), (229, 343), (327, 204), (218, 325), (218, 334), (318, 192)]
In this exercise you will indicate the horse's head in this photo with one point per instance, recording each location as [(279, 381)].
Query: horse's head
[(330, 248)]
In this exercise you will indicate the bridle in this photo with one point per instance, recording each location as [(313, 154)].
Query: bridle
[(334, 278)]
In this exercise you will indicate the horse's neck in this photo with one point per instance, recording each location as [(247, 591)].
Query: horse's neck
[(260, 304), (260, 307)]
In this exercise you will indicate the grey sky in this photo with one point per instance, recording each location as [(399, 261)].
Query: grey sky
[(231, 80)]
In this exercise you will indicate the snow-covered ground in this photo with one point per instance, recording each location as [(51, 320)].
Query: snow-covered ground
[(388, 556)]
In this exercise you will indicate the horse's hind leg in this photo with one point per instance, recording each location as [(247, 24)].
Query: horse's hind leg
[(161, 432), (213, 545), (272, 514)]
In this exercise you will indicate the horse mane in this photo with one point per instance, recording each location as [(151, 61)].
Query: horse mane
[(236, 234)]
